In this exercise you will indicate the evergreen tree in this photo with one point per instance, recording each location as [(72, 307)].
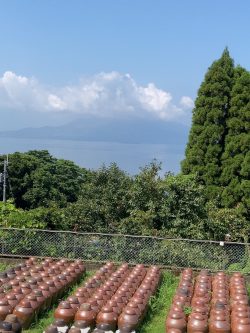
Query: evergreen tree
[(235, 176), (208, 131)]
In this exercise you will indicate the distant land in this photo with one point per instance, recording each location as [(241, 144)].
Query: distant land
[(110, 130)]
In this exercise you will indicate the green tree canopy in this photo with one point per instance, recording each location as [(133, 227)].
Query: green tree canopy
[(38, 179), (208, 131), (235, 177)]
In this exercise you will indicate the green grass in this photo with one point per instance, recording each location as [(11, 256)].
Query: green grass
[(4, 266), (46, 318), (159, 305)]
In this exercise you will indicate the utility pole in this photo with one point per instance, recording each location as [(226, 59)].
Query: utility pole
[(4, 180)]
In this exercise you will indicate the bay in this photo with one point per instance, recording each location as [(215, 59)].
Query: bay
[(92, 154)]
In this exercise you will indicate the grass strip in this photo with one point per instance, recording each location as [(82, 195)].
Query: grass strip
[(159, 305), (4, 266)]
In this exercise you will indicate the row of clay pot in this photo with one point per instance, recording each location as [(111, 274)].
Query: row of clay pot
[(68, 309), (63, 317), (85, 317), (218, 306), (200, 304), (176, 320), (45, 283), (16, 273), (107, 317), (11, 273), (135, 310), (239, 302), (219, 318)]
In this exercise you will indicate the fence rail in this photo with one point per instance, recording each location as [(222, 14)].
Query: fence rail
[(119, 248)]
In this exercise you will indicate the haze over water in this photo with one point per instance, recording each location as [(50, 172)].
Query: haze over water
[(129, 157)]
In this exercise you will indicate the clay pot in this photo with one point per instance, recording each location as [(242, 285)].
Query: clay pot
[(61, 325), (86, 315), (5, 308), (73, 302), (65, 311), (128, 320), (16, 326), (12, 299), (197, 323), (107, 319), (24, 313), (51, 329), (219, 324), (176, 320), (18, 293), (25, 288), (242, 325)]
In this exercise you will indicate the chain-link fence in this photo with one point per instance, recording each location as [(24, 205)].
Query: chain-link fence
[(124, 248)]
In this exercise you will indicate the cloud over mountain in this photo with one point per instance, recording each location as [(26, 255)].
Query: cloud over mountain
[(105, 94)]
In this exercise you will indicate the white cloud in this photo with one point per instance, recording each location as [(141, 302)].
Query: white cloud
[(105, 94), (187, 102)]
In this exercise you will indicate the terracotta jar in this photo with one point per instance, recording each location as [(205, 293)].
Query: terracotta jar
[(36, 306), (81, 296), (24, 313), (73, 302), (18, 293), (3, 278), (60, 285), (20, 278), (46, 294), (74, 330), (86, 315), (40, 298), (197, 323), (63, 281), (61, 325), (11, 273), (5, 308), (128, 320), (80, 325), (242, 325), (16, 326), (219, 324), (12, 299), (53, 290), (51, 329), (65, 311), (107, 319), (176, 320), (25, 288), (14, 283)]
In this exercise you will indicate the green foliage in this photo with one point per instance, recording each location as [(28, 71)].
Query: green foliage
[(37, 179), (183, 207), (103, 201), (235, 176), (222, 221), (19, 218), (208, 131)]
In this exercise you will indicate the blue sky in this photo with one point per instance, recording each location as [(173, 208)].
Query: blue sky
[(112, 58)]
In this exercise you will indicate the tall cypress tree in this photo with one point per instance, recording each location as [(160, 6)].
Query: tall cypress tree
[(235, 176), (208, 131)]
